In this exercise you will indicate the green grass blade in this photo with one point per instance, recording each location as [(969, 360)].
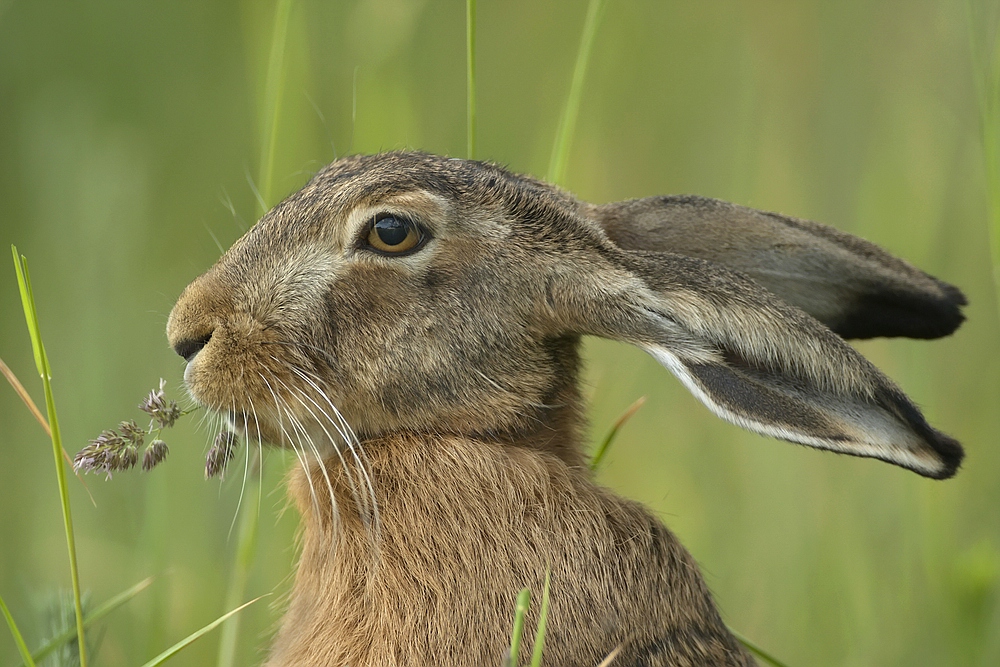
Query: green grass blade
[(18, 638), (246, 552), (31, 316), (274, 85), (520, 611), (470, 71), (567, 122), (29, 311), (543, 616), (94, 616), (602, 449), (758, 651), (194, 636)]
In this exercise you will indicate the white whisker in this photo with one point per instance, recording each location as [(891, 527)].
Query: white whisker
[(319, 458), (351, 439), (297, 425), (246, 472), (260, 453), (291, 443)]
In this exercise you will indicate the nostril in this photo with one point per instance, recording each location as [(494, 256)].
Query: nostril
[(189, 347)]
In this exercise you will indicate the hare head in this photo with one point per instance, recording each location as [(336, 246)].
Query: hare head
[(416, 293), (412, 322)]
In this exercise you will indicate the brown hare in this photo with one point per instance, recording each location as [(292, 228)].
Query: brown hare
[(410, 325)]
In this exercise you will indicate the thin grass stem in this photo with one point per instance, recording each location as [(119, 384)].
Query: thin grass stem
[(543, 616), (246, 552), (246, 549), (567, 122), (991, 128), (273, 88), (602, 449), (25, 397), (758, 651), (194, 636), (42, 363), (18, 637), (520, 611), (986, 72), (40, 418), (470, 71)]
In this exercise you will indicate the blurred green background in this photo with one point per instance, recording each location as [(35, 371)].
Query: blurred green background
[(127, 134)]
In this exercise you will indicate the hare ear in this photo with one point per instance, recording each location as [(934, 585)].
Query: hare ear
[(854, 287), (751, 358)]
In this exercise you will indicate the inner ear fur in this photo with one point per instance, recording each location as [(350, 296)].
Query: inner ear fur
[(854, 287), (750, 357)]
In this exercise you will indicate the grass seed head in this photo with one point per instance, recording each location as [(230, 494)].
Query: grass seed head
[(115, 450), (131, 432), (221, 454), (155, 452), (159, 408), (109, 452)]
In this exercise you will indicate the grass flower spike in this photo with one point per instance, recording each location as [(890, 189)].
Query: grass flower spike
[(156, 406), (220, 455), (115, 450), (110, 452), (131, 432), (156, 452)]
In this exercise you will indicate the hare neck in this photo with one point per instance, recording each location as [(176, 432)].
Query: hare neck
[(463, 525), (446, 506), (554, 428)]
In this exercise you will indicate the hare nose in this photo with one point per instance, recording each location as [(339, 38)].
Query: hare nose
[(189, 347)]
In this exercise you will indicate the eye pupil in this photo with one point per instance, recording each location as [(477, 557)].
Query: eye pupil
[(391, 231), (392, 235)]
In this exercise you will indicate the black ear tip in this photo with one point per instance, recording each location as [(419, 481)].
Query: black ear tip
[(954, 294), (940, 454), (950, 453), (923, 314), (951, 315)]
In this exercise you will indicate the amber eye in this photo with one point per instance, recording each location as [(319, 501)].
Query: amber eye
[(393, 235)]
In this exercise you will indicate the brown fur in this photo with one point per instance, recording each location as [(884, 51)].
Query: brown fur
[(439, 586), (457, 365)]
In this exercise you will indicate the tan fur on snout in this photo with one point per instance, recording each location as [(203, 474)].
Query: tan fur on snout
[(432, 397)]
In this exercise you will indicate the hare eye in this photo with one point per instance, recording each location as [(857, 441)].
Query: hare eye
[(394, 235)]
